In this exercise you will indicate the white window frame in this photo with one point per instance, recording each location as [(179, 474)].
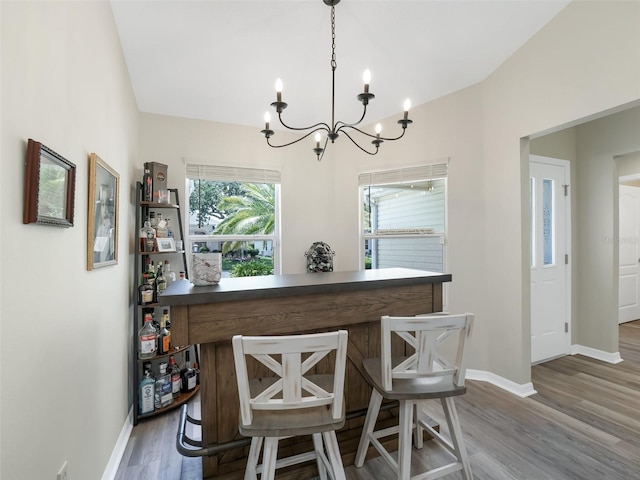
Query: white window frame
[(434, 171), (195, 171)]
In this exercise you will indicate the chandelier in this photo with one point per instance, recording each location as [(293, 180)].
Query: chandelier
[(334, 130)]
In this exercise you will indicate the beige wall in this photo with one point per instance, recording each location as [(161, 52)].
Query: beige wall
[(65, 332)]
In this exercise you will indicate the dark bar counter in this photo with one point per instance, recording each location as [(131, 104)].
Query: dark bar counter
[(289, 304)]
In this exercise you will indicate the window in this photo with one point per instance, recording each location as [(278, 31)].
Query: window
[(403, 218), (235, 211)]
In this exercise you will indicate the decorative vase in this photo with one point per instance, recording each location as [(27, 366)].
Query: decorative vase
[(206, 268)]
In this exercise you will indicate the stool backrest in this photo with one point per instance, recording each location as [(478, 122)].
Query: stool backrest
[(432, 356), (291, 388)]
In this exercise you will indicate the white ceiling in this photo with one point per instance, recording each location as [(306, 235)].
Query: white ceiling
[(218, 60)]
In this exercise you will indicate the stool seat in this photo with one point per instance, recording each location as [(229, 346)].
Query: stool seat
[(419, 388)]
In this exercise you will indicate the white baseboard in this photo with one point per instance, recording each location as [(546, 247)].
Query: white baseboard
[(597, 354), (118, 450), (521, 390)]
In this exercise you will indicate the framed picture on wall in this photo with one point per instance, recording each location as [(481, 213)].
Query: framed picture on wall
[(102, 225), (50, 187)]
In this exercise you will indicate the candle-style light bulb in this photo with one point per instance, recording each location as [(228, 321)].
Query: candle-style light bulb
[(378, 129), (407, 106), (318, 138), (267, 119), (279, 90), (366, 78)]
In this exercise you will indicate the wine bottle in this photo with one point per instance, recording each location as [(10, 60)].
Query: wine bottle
[(145, 291), (176, 379), (161, 280), (188, 375)]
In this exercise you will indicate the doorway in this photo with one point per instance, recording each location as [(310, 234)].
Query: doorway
[(549, 261)]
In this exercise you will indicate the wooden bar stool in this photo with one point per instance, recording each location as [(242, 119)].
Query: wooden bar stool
[(435, 370), (291, 402)]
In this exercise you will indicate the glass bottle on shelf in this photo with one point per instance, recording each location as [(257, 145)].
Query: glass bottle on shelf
[(163, 393), (148, 236), (147, 339), (176, 380), (168, 273), (145, 291), (161, 227), (164, 336), (166, 319), (146, 394), (147, 186), (152, 220), (169, 229), (188, 374), (161, 280)]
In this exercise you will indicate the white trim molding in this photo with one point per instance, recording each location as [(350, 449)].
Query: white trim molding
[(119, 448), (521, 390), (609, 357)]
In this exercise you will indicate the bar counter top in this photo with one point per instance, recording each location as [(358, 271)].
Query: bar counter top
[(274, 286)]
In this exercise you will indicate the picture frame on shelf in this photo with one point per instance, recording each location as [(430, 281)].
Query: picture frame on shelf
[(166, 244), (102, 225), (50, 187)]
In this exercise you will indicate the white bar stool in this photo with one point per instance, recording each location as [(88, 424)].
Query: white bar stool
[(434, 371), (291, 402)]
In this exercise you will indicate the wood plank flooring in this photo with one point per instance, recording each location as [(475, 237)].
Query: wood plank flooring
[(583, 424)]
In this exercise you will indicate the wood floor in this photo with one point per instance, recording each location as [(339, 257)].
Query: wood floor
[(583, 424)]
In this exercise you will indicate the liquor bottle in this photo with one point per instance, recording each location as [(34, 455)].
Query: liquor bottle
[(161, 280), (147, 186), (169, 229), (176, 380), (163, 393), (164, 337), (171, 275), (148, 236), (188, 375), (152, 220), (161, 227), (147, 339), (166, 319), (147, 391), (145, 291)]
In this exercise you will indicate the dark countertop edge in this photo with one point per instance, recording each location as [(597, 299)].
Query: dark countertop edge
[(278, 286)]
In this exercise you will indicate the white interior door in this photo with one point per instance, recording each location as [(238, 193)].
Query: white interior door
[(629, 254), (550, 278)]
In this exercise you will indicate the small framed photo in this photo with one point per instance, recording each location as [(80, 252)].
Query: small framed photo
[(50, 185), (166, 244)]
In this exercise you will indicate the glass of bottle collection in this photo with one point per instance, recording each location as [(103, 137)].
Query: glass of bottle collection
[(170, 380)]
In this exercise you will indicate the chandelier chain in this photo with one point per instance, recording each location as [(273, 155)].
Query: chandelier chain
[(334, 64)]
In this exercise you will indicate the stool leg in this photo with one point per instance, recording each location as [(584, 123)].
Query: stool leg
[(456, 436), (319, 448), (252, 459), (333, 452), (367, 428), (404, 439), (418, 435), (269, 458)]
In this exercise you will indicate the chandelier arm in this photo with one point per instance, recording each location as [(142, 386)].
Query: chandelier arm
[(295, 141), (357, 145), (322, 125), (370, 135)]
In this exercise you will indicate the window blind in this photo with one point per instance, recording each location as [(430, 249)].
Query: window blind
[(409, 174), (231, 174)]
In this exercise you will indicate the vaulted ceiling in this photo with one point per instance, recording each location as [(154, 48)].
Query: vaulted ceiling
[(218, 60)]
